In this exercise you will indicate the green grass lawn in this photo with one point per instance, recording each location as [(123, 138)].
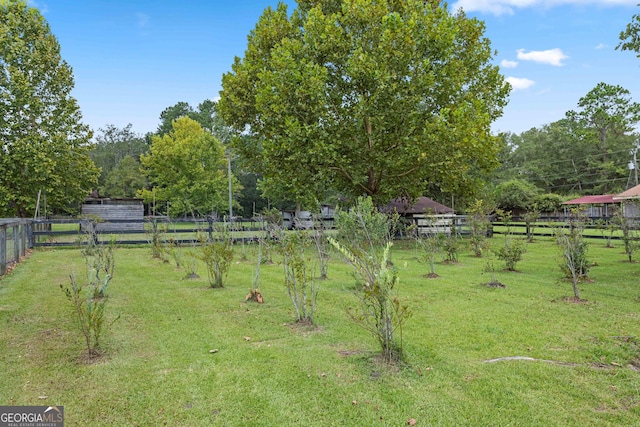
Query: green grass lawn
[(158, 369)]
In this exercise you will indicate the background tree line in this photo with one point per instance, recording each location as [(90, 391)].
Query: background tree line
[(336, 99)]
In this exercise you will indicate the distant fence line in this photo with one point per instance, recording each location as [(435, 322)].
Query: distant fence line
[(18, 235)]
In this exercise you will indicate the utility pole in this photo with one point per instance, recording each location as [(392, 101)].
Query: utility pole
[(230, 187), (635, 164)]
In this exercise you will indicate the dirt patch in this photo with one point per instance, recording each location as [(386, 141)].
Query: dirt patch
[(346, 353), (574, 300), (304, 327), (494, 284), (95, 358), (430, 276)]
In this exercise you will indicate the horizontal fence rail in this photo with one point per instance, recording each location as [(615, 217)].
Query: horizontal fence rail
[(18, 235), (74, 232)]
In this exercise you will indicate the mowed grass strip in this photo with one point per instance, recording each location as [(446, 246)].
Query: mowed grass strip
[(158, 368)]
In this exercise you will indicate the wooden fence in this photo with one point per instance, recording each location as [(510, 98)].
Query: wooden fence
[(19, 235), (73, 232), (15, 239)]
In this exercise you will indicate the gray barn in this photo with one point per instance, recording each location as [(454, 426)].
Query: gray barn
[(120, 211)]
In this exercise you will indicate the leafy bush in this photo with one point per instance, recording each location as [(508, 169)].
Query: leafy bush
[(363, 231), (89, 298), (607, 229), (511, 252), (450, 244), (319, 237), (479, 224), (512, 249), (630, 235), (217, 254), (157, 238), (299, 276), (574, 248), (515, 195), (379, 312), (548, 202), (428, 246)]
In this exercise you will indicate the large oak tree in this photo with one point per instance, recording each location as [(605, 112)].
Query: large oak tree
[(382, 98), (43, 144)]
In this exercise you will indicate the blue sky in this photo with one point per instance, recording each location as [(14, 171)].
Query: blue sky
[(133, 58)]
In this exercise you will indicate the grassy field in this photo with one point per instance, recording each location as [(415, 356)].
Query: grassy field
[(158, 369)]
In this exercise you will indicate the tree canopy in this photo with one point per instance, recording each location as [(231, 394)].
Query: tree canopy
[(630, 37), (125, 179), (187, 168), (113, 146), (606, 118), (368, 98), (44, 145), (587, 152)]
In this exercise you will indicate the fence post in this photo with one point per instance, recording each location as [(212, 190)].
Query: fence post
[(23, 238), (30, 226), (16, 242), (3, 250)]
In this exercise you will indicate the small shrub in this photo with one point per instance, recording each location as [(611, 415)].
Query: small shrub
[(479, 224), (630, 236), (365, 235), (512, 249), (191, 265), (428, 247), (100, 267), (511, 252), (157, 238), (607, 229), (298, 275), (263, 241), (88, 299), (319, 237), (364, 230), (217, 254), (175, 252), (379, 312), (273, 226), (493, 283), (574, 265), (450, 244)]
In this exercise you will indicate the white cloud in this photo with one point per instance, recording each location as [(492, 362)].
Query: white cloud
[(518, 83), (601, 46), (550, 56), (508, 64), (508, 7)]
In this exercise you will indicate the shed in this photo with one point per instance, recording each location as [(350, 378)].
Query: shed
[(422, 205), (117, 214), (631, 195), (429, 215), (599, 206)]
